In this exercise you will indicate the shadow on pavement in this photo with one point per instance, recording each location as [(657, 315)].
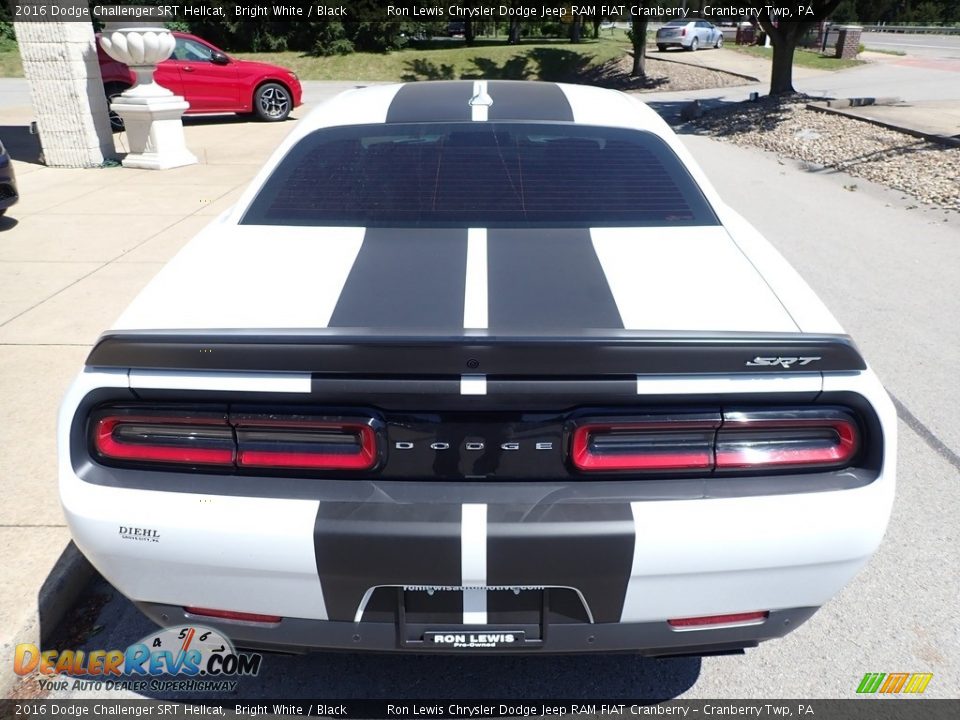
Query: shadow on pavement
[(550, 64), (672, 110), (383, 676), (20, 144)]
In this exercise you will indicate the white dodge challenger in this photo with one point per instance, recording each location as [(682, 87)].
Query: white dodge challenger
[(479, 367)]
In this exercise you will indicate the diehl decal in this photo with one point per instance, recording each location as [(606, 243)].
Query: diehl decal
[(489, 639), (142, 534)]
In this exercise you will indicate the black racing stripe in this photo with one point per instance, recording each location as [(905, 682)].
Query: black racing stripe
[(547, 279), (443, 101), (523, 100), (365, 544), (405, 278), (586, 546)]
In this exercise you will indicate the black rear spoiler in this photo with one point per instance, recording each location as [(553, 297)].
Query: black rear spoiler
[(593, 353)]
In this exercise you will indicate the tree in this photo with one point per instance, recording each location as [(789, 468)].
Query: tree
[(785, 34), (638, 37), (575, 29)]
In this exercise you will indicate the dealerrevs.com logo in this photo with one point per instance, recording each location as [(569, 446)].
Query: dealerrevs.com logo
[(181, 658)]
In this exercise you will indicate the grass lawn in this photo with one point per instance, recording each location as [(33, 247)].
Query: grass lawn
[(801, 58), (10, 65), (540, 59)]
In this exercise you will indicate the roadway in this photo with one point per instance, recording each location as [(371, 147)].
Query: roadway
[(936, 46)]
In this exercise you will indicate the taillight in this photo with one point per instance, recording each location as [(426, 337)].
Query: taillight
[(193, 439), (797, 438), (188, 437), (783, 439), (663, 443), (235, 616), (305, 444)]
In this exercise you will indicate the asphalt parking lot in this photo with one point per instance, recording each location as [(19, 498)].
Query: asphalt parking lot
[(890, 273)]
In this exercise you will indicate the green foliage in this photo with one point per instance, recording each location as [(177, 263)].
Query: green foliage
[(8, 41), (846, 12), (926, 13), (332, 40)]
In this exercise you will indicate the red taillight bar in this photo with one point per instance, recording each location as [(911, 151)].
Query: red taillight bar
[(237, 616), (280, 449), (738, 440), (216, 439), (668, 444), (195, 441), (695, 623), (758, 440)]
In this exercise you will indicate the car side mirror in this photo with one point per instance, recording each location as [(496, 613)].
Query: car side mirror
[(219, 58)]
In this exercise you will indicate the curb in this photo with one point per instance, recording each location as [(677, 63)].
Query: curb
[(704, 67), (839, 110), (68, 578)]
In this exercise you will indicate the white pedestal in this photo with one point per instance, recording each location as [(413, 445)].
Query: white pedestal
[(154, 131)]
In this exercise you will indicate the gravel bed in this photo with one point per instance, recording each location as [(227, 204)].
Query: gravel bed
[(928, 171), (662, 76), (673, 75)]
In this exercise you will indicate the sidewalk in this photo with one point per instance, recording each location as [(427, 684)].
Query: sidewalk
[(74, 252), (733, 62)]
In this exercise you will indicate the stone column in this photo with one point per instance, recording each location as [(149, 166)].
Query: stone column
[(60, 63), (848, 42)]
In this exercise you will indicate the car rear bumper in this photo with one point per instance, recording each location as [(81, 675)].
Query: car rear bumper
[(324, 558), (631, 563), (655, 639)]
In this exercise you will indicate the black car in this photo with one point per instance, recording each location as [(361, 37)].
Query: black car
[(8, 181)]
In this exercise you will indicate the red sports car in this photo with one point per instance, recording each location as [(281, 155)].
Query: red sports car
[(212, 81)]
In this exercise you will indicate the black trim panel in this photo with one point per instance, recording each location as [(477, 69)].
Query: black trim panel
[(298, 635), (357, 352)]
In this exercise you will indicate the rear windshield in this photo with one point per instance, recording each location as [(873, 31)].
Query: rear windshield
[(479, 174)]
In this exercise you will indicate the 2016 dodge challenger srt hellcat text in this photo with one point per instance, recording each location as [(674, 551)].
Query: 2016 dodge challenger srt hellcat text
[(479, 367)]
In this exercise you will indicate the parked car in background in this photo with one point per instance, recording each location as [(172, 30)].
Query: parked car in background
[(689, 35), (8, 181), (212, 81)]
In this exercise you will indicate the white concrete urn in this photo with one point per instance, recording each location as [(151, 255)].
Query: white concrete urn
[(151, 114)]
